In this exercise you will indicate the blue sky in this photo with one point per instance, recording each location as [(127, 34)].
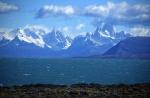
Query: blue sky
[(76, 17)]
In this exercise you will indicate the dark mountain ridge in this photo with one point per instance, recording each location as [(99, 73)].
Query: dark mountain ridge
[(130, 47)]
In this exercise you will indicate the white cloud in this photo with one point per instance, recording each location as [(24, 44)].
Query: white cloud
[(94, 10), (65, 29), (55, 10), (105, 10), (5, 7), (120, 13), (140, 31), (80, 26), (39, 29)]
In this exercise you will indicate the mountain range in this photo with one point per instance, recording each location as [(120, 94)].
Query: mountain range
[(37, 42), (97, 42)]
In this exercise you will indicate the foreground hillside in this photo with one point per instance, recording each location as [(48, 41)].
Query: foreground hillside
[(77, 91)]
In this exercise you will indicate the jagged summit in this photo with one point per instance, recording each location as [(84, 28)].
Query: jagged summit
[(108, 30), (57, 40)]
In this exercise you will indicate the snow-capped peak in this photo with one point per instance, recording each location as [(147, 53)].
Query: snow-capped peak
[(57, 40), (105, 30), (30, 36), (105, 34), (7, 35), (39, 36)]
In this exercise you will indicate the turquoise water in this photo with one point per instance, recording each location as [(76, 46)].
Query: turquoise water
[(68, 71)]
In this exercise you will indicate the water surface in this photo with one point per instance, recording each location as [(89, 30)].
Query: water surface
[(18, 71)]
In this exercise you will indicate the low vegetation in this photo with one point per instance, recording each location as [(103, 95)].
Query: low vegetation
[(76, 91)]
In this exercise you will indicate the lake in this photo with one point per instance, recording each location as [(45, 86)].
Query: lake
[(18, 71)]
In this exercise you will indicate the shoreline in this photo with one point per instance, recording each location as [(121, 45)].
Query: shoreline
[(81, 90)]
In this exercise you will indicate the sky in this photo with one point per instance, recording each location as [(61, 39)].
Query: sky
[(74, 17)]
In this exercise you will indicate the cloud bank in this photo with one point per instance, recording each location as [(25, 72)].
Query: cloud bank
[(140, 31), (116, 13), (120, 13)]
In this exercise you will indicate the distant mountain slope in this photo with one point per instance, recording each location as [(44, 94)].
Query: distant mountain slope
[(20, 48), (131, 47)]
